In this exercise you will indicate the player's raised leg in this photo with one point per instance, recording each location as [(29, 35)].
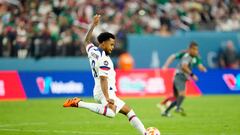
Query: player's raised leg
[(133, 119), (94, 107)]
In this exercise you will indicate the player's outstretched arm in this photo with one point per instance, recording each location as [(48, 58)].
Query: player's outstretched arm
[(104, 87), (170, 59), (95, 22)]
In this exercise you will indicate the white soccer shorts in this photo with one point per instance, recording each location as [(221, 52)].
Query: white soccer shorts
[(100, 98)]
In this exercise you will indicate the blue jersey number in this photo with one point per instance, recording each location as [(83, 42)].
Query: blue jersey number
[(93, 68)]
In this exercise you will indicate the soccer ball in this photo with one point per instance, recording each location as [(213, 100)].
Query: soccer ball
[(152, 131)]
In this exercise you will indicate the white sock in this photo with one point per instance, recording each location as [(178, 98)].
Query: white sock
[(135, 122), (97, 108)]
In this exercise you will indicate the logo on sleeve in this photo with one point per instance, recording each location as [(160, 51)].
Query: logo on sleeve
[(105, 63)]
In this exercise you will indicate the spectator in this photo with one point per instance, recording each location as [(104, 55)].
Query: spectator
[(1, 39), (228, 56), (21, 39), (164, 30)]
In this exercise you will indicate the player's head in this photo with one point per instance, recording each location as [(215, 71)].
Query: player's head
[(193, 49), (106, 41)]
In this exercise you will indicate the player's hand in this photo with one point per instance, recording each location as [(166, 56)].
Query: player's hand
[(164, 68), (195, 78), (204, 70), (111, 104), (96, 19), (110, 101)]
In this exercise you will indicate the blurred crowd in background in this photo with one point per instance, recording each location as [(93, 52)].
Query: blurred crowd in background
[(37, 28)]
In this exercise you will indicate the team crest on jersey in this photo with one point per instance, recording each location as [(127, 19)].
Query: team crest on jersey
[(105, 63)]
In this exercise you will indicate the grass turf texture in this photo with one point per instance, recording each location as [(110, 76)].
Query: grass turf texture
[(207, 115)]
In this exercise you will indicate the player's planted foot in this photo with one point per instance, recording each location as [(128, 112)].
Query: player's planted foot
[(181, 111), (164, 114), (71, 102)]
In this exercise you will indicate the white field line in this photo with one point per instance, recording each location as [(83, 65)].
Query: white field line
[(23, 124), (57, 131)]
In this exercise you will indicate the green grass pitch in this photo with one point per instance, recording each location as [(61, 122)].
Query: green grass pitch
[(206, 115)]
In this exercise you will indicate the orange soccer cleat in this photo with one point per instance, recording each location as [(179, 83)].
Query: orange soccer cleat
[(71, 102)]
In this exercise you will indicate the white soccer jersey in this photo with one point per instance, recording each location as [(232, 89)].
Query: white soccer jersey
[(101, 65)]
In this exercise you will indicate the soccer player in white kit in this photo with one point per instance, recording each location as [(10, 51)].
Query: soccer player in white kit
[(104, 76)]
